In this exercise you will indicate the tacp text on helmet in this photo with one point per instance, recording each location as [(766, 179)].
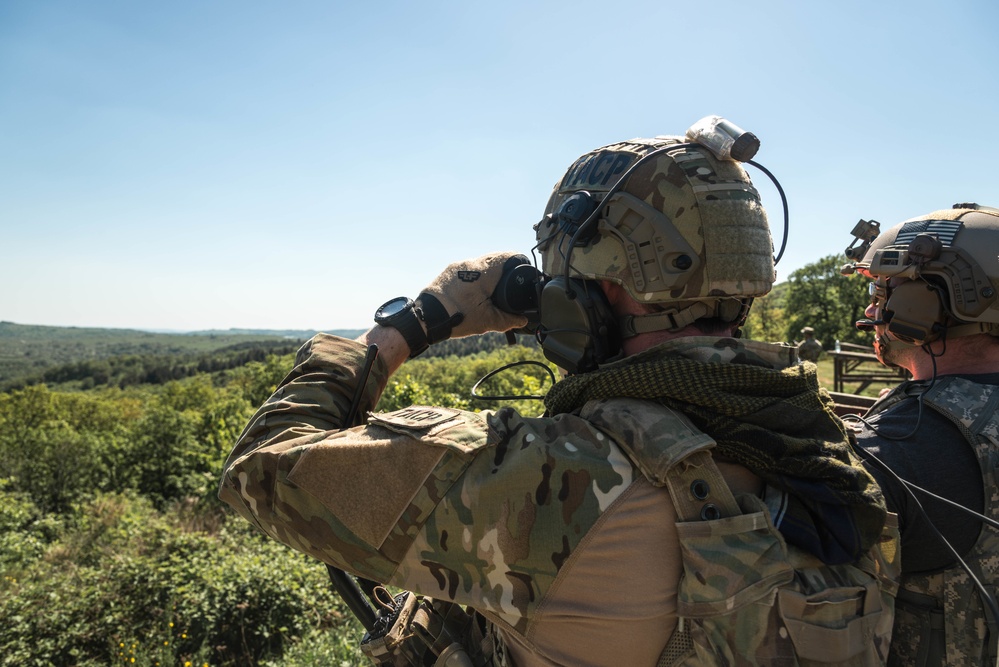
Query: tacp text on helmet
[(934, 275), (679, 227)]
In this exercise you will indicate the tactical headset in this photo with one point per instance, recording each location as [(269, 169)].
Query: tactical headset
[(571, 317), (914, 312)]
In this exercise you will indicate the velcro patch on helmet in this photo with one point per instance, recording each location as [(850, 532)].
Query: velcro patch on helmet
[(597, 171), (945, 230)]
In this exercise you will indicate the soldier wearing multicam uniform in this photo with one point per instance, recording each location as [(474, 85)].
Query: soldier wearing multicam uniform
[(935, 312), (678, 473), (809, 349)]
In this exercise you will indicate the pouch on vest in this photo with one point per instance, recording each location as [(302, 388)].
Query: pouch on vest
[(919, 637), (748, 598)]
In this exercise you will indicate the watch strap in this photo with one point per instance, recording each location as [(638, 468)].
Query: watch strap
[(408, 324), (434, 315)]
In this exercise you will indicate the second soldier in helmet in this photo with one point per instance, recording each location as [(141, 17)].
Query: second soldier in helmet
[(935, 312)]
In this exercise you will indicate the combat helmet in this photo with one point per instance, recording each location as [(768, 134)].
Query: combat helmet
[(684, 227), (951, 261), (673, 226)]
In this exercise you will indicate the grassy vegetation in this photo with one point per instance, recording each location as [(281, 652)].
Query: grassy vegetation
[(826, 372), (115, 550), (114, 581)]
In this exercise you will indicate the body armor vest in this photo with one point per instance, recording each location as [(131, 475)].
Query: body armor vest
[(940, 618), (747, 597)]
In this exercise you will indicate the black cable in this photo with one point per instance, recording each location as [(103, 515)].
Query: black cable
[(525, 362), (783, 199), (946, 501), (886, 436), (355, 403), (988, 600)]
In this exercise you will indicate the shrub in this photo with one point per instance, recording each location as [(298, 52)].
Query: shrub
[(124, 581)]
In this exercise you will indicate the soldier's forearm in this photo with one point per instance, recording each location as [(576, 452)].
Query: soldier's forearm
[(318, 392)]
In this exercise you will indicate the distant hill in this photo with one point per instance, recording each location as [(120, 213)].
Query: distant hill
[(302, 334), (29, 350), (80, 357)]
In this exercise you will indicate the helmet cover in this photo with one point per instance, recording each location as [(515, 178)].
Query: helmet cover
[(683, 227)]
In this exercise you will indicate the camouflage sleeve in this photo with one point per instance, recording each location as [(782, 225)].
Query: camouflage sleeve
[(314, 397), (481, 508), (307, 407)]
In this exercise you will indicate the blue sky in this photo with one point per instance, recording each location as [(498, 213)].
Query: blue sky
[(194, 165)]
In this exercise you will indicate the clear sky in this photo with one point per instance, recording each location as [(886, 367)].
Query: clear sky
[(190, 165)]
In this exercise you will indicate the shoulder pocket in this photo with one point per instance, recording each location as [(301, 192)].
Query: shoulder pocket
[(786, 607), (382, 480), (654, 436), (455, 429)]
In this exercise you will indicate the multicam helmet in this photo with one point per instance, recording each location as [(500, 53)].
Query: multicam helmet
[(954, 253), (682, 228)]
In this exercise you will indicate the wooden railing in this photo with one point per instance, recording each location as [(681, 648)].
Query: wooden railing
[(851, 404), (857, 364)]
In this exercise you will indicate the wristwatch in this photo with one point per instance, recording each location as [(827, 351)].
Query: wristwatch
[(400, 314)]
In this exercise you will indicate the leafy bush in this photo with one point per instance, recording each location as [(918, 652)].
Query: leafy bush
[(124, 581), (448, 382), (115, 550)]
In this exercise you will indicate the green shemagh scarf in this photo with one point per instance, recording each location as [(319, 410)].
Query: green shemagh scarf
[(774, 421)]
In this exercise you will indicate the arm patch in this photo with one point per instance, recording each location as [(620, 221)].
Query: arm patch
[(374, 479), (414, 417), (366, 483), (463, 432)]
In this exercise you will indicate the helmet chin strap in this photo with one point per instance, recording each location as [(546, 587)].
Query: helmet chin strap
[(888, 341), (674, 319), (972, 329)]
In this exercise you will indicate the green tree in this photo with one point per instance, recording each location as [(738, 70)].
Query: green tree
[(766, 320), (57, 447), (257, 380), (819, 296)]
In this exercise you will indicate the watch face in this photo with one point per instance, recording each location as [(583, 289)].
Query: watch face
[(392, 308)]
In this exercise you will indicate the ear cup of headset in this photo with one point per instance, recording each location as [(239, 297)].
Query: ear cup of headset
[(578, 328), (916, 313)]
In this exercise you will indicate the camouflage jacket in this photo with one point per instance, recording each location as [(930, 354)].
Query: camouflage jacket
[(809, 350), (557, 529), (940, 618)]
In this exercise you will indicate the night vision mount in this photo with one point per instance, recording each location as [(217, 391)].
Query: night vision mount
[(864, 233)]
